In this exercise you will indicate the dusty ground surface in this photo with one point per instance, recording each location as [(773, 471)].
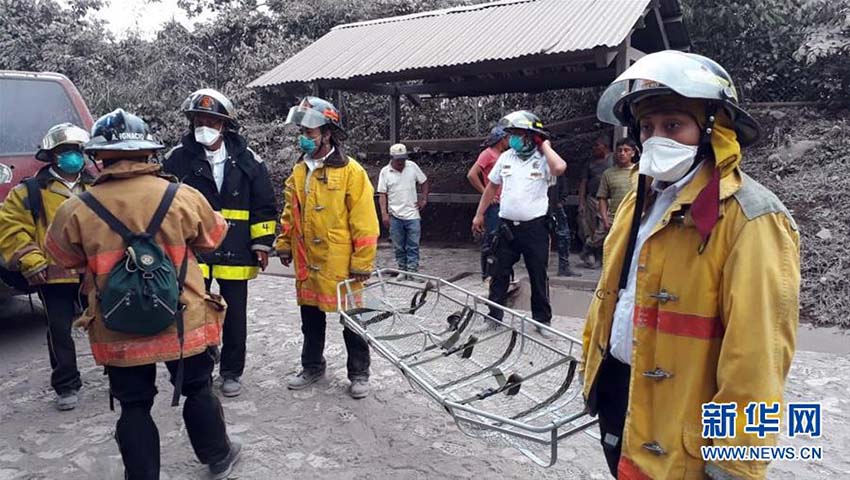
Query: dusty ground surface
[(321, 432)]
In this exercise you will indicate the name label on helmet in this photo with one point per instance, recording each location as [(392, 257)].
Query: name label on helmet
[(132, 136)]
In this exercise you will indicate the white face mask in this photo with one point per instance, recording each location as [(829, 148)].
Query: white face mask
[(666, 160), (206, 136)]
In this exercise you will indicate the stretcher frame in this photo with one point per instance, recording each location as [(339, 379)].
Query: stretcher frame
[(497, 394)]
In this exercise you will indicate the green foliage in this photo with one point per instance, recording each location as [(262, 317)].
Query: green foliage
[(755, 41), (826, 47)]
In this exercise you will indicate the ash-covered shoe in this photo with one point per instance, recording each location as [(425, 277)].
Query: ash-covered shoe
[(359, 388), (231, 387), (221, 470), (67, 400), (304, 379)]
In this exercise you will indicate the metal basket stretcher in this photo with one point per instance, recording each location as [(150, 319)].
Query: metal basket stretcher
[(495, 378)]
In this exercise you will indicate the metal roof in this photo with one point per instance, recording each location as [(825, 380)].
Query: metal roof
[(498, 31)]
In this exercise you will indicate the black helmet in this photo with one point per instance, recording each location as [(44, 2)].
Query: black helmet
[(523, 120), (314, 112), (211, 102), (121, 131)]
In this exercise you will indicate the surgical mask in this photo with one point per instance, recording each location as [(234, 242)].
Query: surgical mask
[(666, 160), (517, 143), (71, 161), (206, 136), (307, 144)]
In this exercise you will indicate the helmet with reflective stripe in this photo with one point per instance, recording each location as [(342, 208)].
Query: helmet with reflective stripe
[(674, 72), (62, 134), (122, 131), (210, 102), (523, 120), (315, 112)]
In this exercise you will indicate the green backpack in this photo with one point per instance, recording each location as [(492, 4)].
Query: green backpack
[(142, 291)]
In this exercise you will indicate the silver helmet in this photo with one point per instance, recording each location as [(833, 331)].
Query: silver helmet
[(685, 74), (523, 120), (211, 102), (62, 134)]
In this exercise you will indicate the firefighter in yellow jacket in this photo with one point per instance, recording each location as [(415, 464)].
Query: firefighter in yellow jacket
[(697, 305), (329, 229), (24, 219), (132, 191)]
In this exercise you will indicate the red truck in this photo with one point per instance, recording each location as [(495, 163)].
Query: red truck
[(31, 103)]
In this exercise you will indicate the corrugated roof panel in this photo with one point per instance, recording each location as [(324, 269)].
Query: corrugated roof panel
[(486, 32)]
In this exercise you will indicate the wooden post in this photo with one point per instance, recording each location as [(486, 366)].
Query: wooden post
[(395, 118)]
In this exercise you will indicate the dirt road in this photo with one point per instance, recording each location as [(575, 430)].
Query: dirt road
[(320, 432)]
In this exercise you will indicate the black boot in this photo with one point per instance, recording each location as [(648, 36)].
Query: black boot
[(564, 270)]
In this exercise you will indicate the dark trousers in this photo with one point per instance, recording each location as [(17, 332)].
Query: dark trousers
[(235, 329), (60, 303), (563, 239), (136, 432), (612, 390), (313, 324), (577, 243), (491, 227), (531, 241)]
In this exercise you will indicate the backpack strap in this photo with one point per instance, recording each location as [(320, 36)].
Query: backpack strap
[(178, 321), (36, 205), (162, 209), (116, 225)]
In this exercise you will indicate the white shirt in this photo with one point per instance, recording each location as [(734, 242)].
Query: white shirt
[(622, 330), (70, 185), (525, 185), (400, 188), (217, 159), (312, 164)]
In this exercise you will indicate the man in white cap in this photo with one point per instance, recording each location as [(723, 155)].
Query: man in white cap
[(400, 205)]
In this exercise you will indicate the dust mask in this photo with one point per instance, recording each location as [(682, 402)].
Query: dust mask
[(206, 136), (666, 160)]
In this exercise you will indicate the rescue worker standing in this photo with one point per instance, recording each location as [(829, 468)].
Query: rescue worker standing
[(24, 218), (699, 295), (329, 229), (79, 237), (216, 160), (525, 173)]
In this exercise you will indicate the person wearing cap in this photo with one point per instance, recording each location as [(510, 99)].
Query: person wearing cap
[(131, 187), (698, 300), (478, 175), (525, 173), (400, 205), (329, 233), (213, 158), (24, 217)]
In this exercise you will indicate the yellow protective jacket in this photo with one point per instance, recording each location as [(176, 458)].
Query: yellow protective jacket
[(717, 326), (22, 238), (329, 227), (79, 238)]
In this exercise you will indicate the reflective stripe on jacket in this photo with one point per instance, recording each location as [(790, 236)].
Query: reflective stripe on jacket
[(717, 326), (78, 238), (246, 201), (331, 231)]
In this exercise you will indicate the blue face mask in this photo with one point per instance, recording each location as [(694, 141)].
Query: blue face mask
[(71, 161), (307, 144), (517, 143)]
